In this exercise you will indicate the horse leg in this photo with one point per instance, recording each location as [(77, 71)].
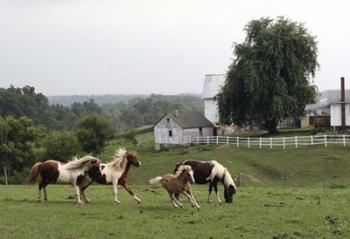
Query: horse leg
[(172, 200), (45, 193), (177, 196), (190, 197), (40, 188), (115, 189), (175, 200), (83, 196), (216, 190), (77, 193), (128, 189), (210, 189)]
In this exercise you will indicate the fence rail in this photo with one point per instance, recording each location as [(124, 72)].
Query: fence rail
[(271, 142)]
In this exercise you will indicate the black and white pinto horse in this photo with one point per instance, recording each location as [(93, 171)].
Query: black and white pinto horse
[(212, 172)]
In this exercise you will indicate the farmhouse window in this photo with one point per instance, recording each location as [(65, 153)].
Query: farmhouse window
[(200, 131), (167, 122), (170, 133)]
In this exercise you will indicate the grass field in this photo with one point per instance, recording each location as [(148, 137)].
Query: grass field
[(293, 193), (258, 212)]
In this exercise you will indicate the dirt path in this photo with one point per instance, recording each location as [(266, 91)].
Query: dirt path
[(254, 179)]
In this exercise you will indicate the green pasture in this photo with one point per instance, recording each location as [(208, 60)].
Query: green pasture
[(257, 212), (292, 193)]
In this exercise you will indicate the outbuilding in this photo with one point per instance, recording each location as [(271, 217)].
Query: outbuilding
[(181, 128)]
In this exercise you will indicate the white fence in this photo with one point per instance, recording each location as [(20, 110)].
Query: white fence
[(271, 142)]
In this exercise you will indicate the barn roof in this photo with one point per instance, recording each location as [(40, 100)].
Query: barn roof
[(190, 120), (212, 85)]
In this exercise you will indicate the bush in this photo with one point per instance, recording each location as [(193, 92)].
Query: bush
[(62, 146), (93, 131)]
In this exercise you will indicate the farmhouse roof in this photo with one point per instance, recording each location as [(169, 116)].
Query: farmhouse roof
[(327, 98), (190, 120), (212, 85), (333, 96)]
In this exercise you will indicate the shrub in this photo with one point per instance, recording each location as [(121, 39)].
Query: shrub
[(62, 146), (93, 131)]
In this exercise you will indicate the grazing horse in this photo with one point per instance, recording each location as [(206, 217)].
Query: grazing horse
[(178, 183), (115, 173), (212, 172), (52, 171)]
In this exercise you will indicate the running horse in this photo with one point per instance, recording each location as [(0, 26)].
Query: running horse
[(212, 172), (52, 171), (115, 173)]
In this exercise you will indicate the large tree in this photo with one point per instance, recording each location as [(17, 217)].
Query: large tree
[(269, 78)]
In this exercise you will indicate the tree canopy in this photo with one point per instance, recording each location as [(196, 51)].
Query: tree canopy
[(93, 131), (269, 78)]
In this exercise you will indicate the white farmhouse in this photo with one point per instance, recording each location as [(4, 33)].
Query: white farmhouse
[(330, 103), (181, 128), (212, 86)]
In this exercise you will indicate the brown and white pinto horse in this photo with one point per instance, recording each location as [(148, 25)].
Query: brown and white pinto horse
[(52, 171), (115, 173)]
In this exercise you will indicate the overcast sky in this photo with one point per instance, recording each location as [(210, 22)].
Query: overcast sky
[(150, 46)]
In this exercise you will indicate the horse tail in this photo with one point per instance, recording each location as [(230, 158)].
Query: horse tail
[(34, 173), (156, 180)]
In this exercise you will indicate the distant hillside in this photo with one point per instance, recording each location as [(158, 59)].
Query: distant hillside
[(68, 100)]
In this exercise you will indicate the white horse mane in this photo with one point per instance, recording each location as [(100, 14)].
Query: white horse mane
[(182, 168), (220, 171), (119, 157), (78, 163)]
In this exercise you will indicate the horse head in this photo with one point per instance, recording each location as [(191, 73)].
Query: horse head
[(230, 190), (95, 170), (132, 158), (187, 171)]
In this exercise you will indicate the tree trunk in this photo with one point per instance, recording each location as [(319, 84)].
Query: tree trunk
[(271, 125)]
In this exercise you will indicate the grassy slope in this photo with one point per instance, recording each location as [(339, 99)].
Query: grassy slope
[(309, 166)]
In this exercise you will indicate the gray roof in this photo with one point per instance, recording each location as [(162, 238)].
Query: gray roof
[(191, 120), (328, 97), (212, 85), (333, 96)]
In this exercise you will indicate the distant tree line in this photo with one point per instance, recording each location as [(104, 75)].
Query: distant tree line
[(33, 130)]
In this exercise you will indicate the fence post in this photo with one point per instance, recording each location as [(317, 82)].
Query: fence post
[(208, 140), (270, 143), (197, 140), (217, 139), (296, 141), (5, 175), (344, 141), (260, 142), (237, 141), (248, 143), (227, 141), (312, 140), (325, 140), (284, 143)]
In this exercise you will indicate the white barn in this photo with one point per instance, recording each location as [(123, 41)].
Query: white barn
[(212, 86), (181, 128)]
